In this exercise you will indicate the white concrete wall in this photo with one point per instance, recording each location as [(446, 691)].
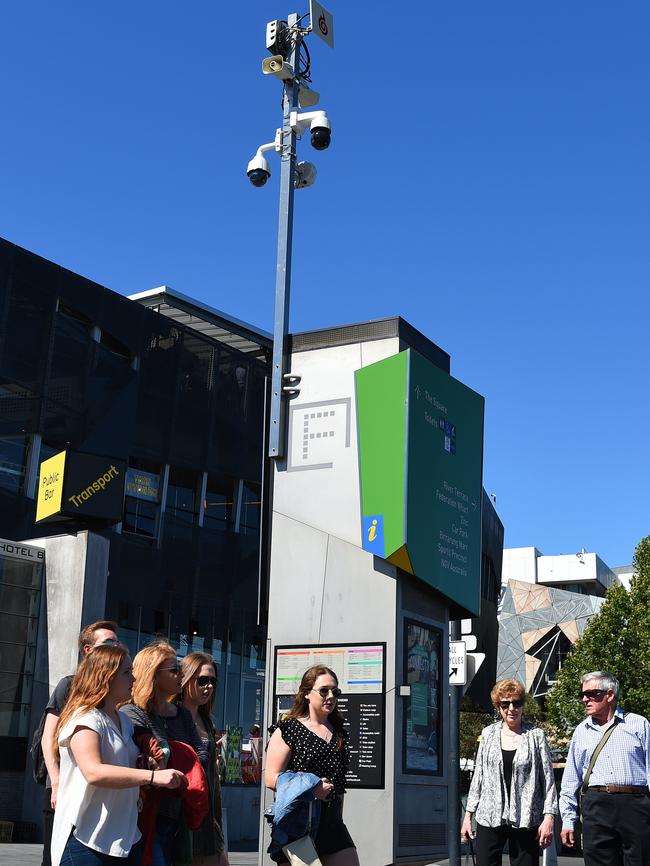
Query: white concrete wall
[(520, 563), (574, 568)]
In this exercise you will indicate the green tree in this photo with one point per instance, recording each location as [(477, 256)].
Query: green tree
[(617, 639), (472, 721)]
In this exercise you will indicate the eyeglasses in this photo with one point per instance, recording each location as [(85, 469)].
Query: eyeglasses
[(324, 692), (207, 681), (594, 694), (518, 704), (171, 670)]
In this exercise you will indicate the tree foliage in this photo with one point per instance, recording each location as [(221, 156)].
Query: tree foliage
[(617, 639)]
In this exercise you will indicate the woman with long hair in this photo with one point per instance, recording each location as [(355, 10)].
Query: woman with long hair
[(153, 711), (312, 739), (97, 807), (199, 685)]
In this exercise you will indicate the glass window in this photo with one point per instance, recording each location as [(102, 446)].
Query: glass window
[(249, 518), (423, 713), (140, 516), (181, 495), (20, 585), (13, 459), (219, 498), (141, 502)]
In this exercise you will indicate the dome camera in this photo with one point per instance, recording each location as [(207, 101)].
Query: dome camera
[(321, 131), (258, 170)]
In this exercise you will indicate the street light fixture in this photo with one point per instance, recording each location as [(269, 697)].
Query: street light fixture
[(289, 63)]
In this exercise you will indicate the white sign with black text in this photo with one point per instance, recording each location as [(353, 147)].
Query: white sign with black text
[(457, 663)]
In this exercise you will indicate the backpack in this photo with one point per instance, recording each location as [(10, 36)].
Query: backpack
[(39, 769)]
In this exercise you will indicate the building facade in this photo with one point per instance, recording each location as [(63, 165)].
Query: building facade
[(176, 391), (546, 603)]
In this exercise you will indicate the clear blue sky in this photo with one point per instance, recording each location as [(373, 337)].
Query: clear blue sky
[(488, 179)]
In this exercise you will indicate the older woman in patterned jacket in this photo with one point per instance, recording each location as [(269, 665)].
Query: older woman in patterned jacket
[(513, 790)]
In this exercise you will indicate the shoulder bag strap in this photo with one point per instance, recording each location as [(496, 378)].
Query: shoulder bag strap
[(597, 752)]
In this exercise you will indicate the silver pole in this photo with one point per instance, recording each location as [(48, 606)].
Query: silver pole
[(453, 805), (285, 237)]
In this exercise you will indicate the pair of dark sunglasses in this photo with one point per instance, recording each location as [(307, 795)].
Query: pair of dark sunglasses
[(324, 692), (594, 694), (207, 681), (516, 704)]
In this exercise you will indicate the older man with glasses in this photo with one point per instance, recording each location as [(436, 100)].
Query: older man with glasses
[(606, 779)]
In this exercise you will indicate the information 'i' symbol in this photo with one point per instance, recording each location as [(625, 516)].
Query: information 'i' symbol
[(372, 531)]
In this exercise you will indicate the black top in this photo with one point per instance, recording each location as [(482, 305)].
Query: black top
[(508, 758), (179, 727), (312, 754), (58, 700)]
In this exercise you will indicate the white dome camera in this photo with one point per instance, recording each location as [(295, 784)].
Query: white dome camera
[(258, 170)]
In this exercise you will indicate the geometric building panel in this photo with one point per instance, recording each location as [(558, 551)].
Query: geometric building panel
[(570, 629), (532, 666), (531, 637), (539, 612), (530, 596)]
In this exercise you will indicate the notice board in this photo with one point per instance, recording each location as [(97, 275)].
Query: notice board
[(361, 671)]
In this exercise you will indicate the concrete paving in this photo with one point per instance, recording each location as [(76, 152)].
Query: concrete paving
[(30, 855)]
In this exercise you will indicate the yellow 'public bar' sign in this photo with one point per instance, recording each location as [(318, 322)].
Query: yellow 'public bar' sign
[(81, 487), (50, 486)]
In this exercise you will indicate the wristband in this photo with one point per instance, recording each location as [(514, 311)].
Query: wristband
[(151, 779)]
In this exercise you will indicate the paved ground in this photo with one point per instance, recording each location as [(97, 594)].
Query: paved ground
[(30, 855)]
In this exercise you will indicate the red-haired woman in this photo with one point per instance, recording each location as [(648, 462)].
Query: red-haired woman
[(96, 812), (312, 739)]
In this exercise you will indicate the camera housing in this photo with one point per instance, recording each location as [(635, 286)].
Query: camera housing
[(321, 137), (319, 124), (258, 170)]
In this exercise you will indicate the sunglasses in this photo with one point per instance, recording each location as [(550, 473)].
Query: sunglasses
[(594, 694), (171, 670), (207, 681), (516, 704), (324, 692)]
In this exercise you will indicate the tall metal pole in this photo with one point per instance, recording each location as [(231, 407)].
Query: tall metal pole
[(453, 805), (285, 237)]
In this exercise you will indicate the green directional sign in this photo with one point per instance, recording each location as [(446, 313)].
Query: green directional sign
[(421, 456)]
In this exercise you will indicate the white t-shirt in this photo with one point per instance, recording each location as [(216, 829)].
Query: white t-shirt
[(104, 819)]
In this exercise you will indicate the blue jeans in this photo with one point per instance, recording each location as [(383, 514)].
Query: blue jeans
[(78, 854), (163, 841)]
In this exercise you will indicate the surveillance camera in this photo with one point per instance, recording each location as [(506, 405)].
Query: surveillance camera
[(321, 131), (321, 137), (258, 170), (319, 124)]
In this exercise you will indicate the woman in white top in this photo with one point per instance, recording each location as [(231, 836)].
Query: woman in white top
[(97, 808)]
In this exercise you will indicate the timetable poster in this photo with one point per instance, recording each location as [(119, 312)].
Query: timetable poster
[(361, 671)]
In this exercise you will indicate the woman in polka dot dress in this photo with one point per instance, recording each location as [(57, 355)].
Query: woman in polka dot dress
[(311, 739)]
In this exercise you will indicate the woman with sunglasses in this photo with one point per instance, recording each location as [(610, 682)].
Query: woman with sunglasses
[(311, 738), (153, 711), (513, 789), (199, 685)]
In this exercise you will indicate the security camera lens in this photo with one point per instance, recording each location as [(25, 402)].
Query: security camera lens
[(258, 177), (321, 137)]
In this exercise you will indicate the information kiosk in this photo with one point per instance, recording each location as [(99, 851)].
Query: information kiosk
[(375, 546)]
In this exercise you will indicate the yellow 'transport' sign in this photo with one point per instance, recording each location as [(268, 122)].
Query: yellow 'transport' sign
[(50, 486)]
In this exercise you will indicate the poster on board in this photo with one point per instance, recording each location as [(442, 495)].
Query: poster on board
[(361, 671)]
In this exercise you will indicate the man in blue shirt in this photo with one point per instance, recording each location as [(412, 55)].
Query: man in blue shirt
[(616, 805)]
